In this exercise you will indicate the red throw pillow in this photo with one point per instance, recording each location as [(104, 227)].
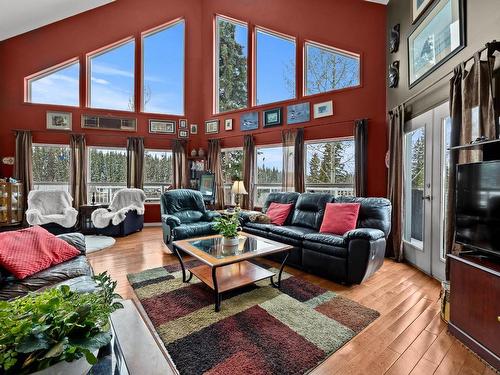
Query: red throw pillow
[(340, 218), (28, 251), (278, 212)]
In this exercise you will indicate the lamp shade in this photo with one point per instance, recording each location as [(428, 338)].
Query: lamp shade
[(239, 188)]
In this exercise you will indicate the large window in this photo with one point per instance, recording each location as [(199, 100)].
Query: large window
[(163, 70), (269, 172), (232, 169), (59, 86), (330, 167), (231, 65), (275, 65), (157, 173), (328, 69), (107, 172), (51, 167), (111, 74)]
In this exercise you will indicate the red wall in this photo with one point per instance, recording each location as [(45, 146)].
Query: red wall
[(353, 25)]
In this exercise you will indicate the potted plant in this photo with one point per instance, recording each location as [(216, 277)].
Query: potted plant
[(228, 227), (57, 331)]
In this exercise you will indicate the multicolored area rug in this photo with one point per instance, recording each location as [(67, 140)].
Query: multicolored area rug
[(259, 330)]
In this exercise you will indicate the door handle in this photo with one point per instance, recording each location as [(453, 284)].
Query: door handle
[(427, 197)]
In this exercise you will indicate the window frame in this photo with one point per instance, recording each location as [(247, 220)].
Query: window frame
[(88, 73), (216, 110), (153, 31), (256, 173), (329, 49), (276, 34), (145, 184), (48, 71), (327, 140), (63, 145)]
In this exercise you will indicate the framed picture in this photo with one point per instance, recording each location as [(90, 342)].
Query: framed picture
[(228, 124), (298, 113), (249, 121), (183, 124), (418, 7), (162, 126), (272, 117), (435, 39), (194, 129), (211, 126), (183, 133), (59, 120), (323, 109)]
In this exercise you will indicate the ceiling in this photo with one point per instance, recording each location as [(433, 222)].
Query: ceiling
[(385, 2), (20, 16)]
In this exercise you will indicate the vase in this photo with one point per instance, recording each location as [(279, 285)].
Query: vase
[(230, 241), (78, 367), (201, 152), (193, 152)]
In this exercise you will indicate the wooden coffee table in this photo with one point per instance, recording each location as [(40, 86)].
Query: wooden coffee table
[(226, 268)]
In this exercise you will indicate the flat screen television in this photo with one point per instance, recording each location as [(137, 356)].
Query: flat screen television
[(478, 206)]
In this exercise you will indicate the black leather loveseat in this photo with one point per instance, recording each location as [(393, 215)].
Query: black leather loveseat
[(350, 258)]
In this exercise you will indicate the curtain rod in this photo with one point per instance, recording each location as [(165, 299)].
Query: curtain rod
[(491, 47), (132, 135)]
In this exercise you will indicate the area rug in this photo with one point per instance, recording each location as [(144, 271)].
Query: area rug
[(259, 330), (96, 243)]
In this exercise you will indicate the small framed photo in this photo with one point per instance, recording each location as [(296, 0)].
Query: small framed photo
[(211, 126), (249, 121), (323, 109), (272, 117), (59, 120), (183, 124), (194, 129), (418, 7), (228, 124), (162, 126), (183, 133), (298, 113)]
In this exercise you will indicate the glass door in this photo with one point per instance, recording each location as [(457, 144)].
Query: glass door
[(425, 157)]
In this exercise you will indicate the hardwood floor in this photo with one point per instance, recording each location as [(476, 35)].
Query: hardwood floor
[(408, 338)]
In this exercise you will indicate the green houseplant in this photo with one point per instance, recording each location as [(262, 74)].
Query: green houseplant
[(40, 330), (228, 227)]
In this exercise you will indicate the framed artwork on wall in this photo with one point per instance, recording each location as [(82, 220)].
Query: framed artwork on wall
[(249, 121), (59, 120), (323, 109), (272, 117), (418, 7), (162, 126), (109, 123), (298, 113), (183, 133), (228, 124), (194, 129), (211, 126), (435, 39), (183, 124)]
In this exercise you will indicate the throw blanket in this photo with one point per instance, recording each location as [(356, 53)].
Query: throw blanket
[(125, 200), (51, 206)]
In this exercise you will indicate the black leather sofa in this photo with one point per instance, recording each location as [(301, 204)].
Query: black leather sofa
[(133, 223), (350, 258), (76, 272), (183, 215)]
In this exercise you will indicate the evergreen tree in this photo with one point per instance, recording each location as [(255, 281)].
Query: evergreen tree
[(314, 165), (417, 169), (327, 169)]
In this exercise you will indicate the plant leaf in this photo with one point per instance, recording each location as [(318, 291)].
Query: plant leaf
[(32, 343), (90, 357), (92, 343), (56, 350)]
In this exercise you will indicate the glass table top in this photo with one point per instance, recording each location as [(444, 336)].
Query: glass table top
[(213, 246)]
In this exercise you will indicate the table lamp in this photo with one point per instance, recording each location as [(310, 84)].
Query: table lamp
[(238, 189)]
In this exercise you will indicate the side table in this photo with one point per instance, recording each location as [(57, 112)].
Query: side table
[(85, 213)]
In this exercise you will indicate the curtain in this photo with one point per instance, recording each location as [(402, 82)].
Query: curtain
[(248, 171), (214, 165), (395, 181), (135, 162), (288, 139), (23, 168), (299, 177), (78, 169), (360, 150), (180, 164)]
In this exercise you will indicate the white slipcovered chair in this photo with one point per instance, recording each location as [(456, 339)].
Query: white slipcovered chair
[(48, 207)]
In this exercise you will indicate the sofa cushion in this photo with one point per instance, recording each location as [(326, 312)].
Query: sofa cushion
[(340, 218), (28, 251), (373, 213), (327, 239), (201, 228), (259, 226), (281, 197), (278, 212), (309, 209), (328, 244), (291, 231)]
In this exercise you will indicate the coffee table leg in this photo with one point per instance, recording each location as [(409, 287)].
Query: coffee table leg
[(178, 255), (278, 284), (216, 290)]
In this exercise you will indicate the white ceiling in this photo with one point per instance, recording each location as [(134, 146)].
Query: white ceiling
[(20, 16), (385, 2)]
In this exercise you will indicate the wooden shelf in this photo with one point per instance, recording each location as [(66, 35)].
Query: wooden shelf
[(475, 145), (232, 276)]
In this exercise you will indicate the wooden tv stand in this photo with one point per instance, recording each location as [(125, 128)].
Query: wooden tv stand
[(475, 304)]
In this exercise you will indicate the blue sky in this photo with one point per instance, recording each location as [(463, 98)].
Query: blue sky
[(60, 87)]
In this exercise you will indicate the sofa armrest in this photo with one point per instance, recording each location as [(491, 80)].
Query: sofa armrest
[(211, 215), (245, 216), (368, 234), (75, 239), (171, 220)]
